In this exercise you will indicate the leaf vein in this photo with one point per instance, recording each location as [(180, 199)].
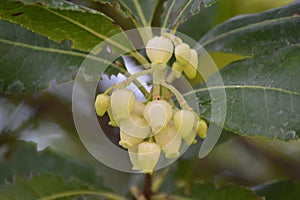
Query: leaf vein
[(266, 22), (245, 87), (59, 51)]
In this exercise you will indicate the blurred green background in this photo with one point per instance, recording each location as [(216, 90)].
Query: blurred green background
[(46, 119)]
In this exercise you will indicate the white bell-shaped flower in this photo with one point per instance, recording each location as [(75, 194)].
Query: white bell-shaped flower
[(159, 50), (158, 114), (169, 141), (184, 121), (191, 137), (133, 131), (127, 141), (190, 69), (148, 156), (102, 104), (182, 53), (133, 156), (122, 103)]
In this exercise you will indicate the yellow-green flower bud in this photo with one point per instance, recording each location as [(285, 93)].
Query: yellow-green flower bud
[(148, 156), (169, 141), (159, 50), (133, 131), (202, 129), (184, 121), (190, 69), (138, 109), (158, 114), (122, 103), (101, 104), (177, 69), (182, 53)]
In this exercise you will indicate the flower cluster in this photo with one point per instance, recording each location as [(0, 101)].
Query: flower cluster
[(149, 129)]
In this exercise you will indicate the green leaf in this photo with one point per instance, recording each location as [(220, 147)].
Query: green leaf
[(178, 11), (263, 95), (143, 11), (204, 21), (62, 4), (286, 190), (48, 187), (209, 192), (85, 30), (28, 61), (26, 160), (257, 34)]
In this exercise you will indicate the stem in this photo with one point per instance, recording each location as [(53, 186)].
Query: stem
[(147, 187), (179, 97), (129, 80), (140, 12), (168, 14), (156, 87), (141, 59), (171, 77), (105, 194), (157, 77)]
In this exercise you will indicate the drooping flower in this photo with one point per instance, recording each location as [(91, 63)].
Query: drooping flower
[(148, 156), (133, 131), (159, 50), (169, 141), (182, 53), (122, 104), (158, 114), (190, 69)]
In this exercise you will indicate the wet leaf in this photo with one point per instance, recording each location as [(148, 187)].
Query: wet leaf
[(29, 61), (61, 4), (262, 95), (81, 28), (256, 34)]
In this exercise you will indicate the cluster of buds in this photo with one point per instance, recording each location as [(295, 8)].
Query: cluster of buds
[(160, 49), (155, 127)]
